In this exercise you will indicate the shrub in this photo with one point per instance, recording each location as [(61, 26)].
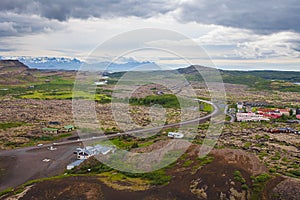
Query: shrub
[(187, 163), (205, 160), (247, 145), (262, 178), (158, 177), (295, 172), (245, 187), (238, 177), (258, 185)]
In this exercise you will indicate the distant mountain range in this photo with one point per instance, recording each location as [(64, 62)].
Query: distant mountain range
[(47, 62), (55, 63), (13, 72)]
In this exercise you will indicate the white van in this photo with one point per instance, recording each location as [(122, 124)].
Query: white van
[(175, 135)]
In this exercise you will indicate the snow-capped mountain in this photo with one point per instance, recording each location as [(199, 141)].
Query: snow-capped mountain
[(62, 63), (48, 62)]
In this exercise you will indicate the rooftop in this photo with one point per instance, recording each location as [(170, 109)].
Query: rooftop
[(68, 126), (50, 129)]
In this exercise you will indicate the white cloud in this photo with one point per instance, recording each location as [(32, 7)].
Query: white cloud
[(282, 44), (234, 43), (222, 35), (77, 37)]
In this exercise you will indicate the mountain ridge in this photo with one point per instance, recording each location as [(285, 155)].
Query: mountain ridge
[(62, 63), (15, 72)]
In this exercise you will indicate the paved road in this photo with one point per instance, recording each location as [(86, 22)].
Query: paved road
[(232, 117), (192, 121), (23, 164)]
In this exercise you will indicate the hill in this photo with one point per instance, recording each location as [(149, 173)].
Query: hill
[(13, 72), (243, 77), (260, 80)]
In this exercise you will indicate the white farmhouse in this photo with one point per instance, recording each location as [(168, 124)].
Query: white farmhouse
[(246, 117), (240, 105)]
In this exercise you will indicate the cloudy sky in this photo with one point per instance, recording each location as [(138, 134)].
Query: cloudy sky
[(235, 34)]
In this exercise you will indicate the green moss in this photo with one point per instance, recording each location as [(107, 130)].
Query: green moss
[(245, 187), (158, 177), (187, 163), (205, 160), (258, 186), (275, 158), (285, 159), (6, 191), (294, 173), (262, 154), (11, 125), (247, 145), (146, 144), (272, 170), (237, 175)]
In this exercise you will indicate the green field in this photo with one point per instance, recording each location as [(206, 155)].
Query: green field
[(56, 88)]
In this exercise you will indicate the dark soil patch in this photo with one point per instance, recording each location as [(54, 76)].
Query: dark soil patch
[(68, 188), (6, 162), (268, 192), (216, 179), (287, 189)]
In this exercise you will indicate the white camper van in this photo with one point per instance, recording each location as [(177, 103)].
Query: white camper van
[(175, 135)]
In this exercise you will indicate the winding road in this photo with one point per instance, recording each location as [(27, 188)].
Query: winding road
[(20, 165)]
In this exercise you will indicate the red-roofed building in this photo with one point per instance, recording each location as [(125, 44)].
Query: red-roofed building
[(274, 113), (273, 116), (285, 112), (298, 113)]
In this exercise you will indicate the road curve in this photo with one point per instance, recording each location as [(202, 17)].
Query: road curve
[(192, 121), (28, 163)]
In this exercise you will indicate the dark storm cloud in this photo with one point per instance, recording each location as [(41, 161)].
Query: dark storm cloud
[(263, 16), (63, 10), (17, 25), (19, 17), (259, 15)]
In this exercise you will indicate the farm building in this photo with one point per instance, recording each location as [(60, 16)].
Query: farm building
[(54, 123), (273, 112), (68, 128), (50, 130), (74, 164), (298, 113), (102, 149), (90, 151), (285, 112), (240, 105), (100, 83), (245, 117), (84, 154), (175, 135), (284, 130)]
